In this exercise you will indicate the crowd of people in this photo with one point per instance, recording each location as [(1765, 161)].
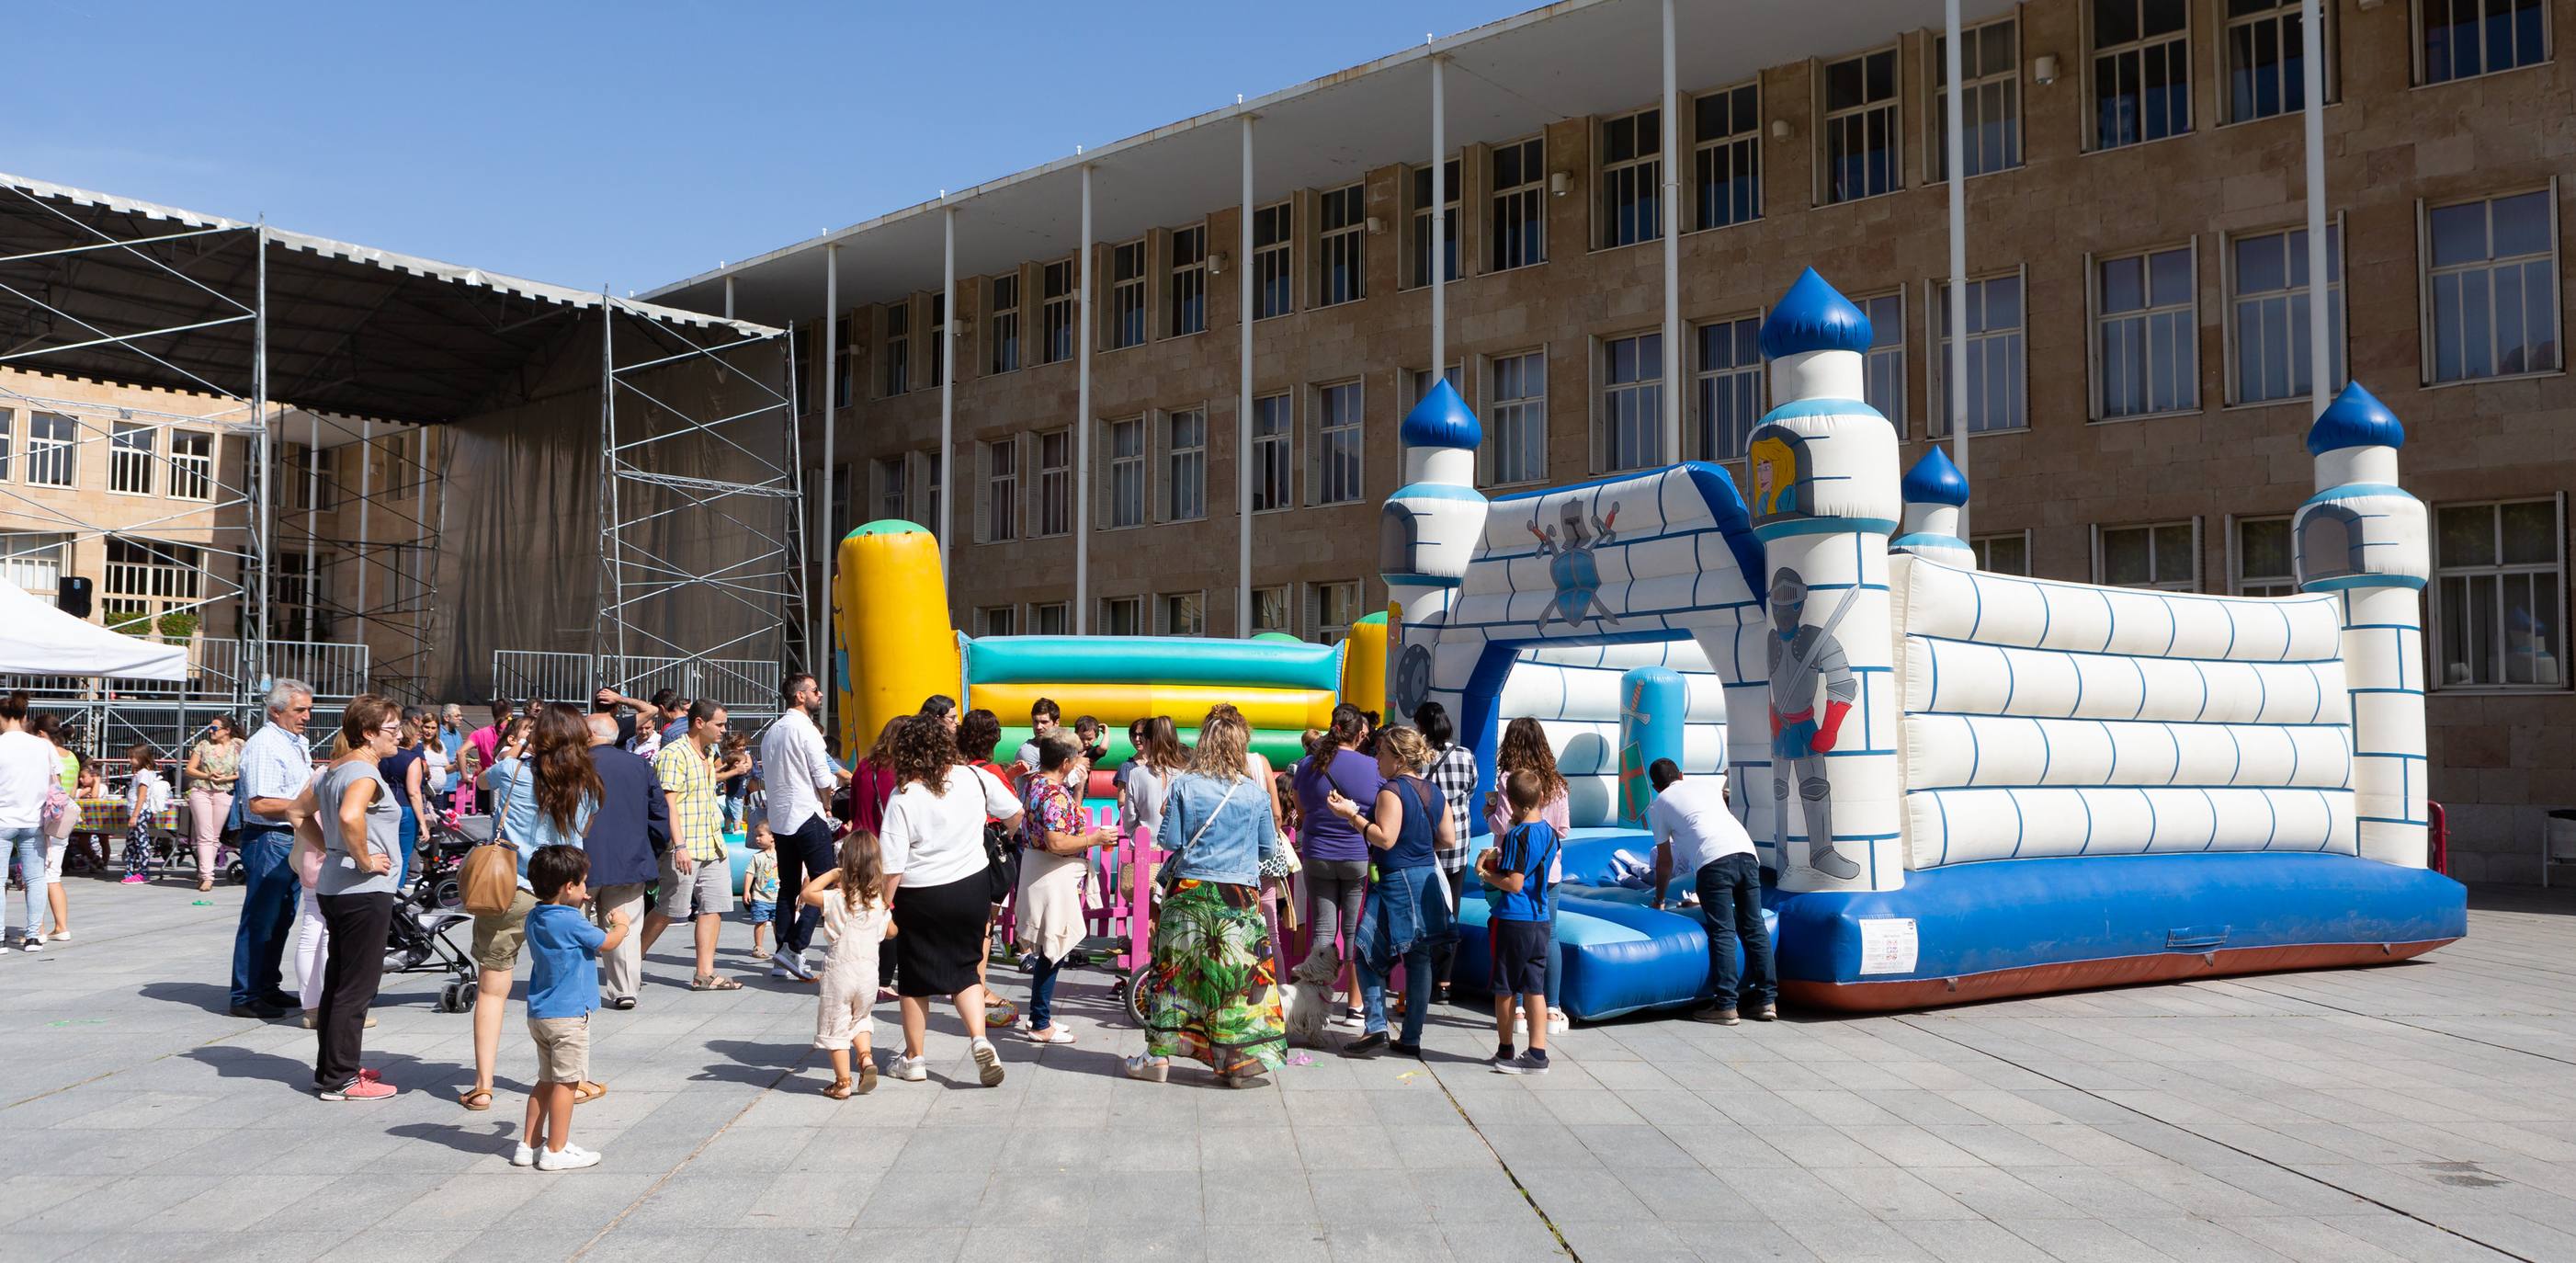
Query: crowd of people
[(904, 863)]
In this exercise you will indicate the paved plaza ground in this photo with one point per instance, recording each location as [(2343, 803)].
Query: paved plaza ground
[(2425, 1111)]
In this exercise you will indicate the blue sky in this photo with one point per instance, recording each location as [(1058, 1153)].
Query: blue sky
[(629, 144)]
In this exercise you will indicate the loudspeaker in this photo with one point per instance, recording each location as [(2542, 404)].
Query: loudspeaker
[(71, 595)]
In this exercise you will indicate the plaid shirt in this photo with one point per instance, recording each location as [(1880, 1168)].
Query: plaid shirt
[(691, 781), (1454, 772)]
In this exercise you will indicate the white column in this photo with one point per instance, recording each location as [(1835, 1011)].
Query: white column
[(366, 452), (947, 376), (728, 298), (1953, 129), (1243, 404), (1082, 427), (2312, 39), (1668, 208), (1439, 223), (826, 359)]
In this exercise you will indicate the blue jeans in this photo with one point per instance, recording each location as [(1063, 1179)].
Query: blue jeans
[(27, 855), (410, 833), (1730, 896), (1425, 889), (267, 915), (1042, 975)]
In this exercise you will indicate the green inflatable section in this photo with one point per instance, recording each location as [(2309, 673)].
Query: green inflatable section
[(1159, 659), (1279, 745)]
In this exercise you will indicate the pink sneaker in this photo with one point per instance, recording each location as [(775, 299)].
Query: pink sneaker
[(133, 879), (361, 1089)]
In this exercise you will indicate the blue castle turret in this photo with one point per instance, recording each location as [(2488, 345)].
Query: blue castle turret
[(1934, 490), (1427, 532)]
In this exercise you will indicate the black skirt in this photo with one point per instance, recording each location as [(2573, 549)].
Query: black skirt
[(939, 936)]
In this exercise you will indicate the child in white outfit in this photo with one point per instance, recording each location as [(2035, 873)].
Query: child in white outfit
[(145, 799), (856, 920)]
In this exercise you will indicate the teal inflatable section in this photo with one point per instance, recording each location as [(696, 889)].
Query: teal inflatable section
[(1253, 663)]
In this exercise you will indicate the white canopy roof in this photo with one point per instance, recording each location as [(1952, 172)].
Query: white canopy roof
[(37, 639)]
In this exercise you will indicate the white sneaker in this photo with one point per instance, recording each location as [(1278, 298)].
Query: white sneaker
[(570, 1158), (1558, 1023), (1350, 1018), (909, 1069), (988, 1062), (523, 1156), (796, 964), (32, 945)]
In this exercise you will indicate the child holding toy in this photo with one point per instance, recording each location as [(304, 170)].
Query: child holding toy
[(1520, 927)]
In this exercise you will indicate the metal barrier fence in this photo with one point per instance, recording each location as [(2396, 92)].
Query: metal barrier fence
[(743, 685), (218, 670)]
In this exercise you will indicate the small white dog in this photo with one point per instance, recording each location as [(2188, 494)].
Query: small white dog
[(1310, 998)]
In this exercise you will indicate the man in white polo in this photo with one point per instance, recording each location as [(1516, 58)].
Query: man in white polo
[(797, 775), (1695, 833)]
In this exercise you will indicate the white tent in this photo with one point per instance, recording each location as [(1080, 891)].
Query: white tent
[(37, 639)]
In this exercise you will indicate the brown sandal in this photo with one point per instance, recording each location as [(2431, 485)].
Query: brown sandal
[(588, 1091), (711, 982), (470, 1096), (838, 1090)]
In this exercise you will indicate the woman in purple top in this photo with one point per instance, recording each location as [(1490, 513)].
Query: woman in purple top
[(1336, 858)]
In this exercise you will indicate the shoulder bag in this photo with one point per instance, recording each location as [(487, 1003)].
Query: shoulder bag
[(489, 878)]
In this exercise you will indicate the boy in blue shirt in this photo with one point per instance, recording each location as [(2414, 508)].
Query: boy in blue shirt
[(563, 987), (1520, 922)]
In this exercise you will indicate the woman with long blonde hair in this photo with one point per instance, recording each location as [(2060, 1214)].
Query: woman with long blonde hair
[(1211, 992)]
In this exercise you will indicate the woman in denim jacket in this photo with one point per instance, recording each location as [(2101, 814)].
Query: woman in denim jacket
[(1211, 992)]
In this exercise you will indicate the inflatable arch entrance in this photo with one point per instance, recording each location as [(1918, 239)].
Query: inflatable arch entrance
[(1968, 784)]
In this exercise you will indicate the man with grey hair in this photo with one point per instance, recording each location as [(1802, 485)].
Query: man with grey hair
[(276, 764)]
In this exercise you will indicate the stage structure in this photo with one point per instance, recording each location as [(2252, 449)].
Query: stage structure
[(419, 474)]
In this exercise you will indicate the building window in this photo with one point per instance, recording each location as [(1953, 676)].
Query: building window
[(1862, 153), (1181, 614), (1189, 281), (801, 351), (1995, 379), (1632, 163), (1271, 445), (934, 481), (898, 349), (192, 464), (1006, 323), (1989, 109), (1520, 189), (1056, 312), (1728, 386), (1051, 618), (1417, 184), (999, 620), (1341, 247), (1883, 368), (1127, 472), (1122, 615), (308, 475), (129, 457), (938, 340), (1274, 293), (2141, 71), (2499, 595), (8, 430), (2165, 555), (2267, 63), (2146, 334), (1333, 607), (147, 578), (34, 561), (839, 508), (2493, 287), (844, 357), (1632, 402), (1270, 610), (887, 472), (1727, 160), (1055, 482), (1002, 491), (1184, 466), (2005, 553), (2465, 38), (1516, 435), (1417, 383), (53, 449), (2268, 314), (1337, 443), (2263, 557), (1127, 294)]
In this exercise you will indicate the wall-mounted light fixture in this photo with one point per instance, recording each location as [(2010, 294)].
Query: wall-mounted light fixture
[(1217, 263), (1376, 225), (1560, 183), (2043, 69), (1780, 129)]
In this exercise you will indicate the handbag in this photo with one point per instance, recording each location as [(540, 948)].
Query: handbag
[(489, 878)]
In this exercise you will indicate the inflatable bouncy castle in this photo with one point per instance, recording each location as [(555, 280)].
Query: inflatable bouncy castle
[(1968, 785)]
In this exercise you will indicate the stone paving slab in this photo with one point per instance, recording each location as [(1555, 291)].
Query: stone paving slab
[(2424, 1111)]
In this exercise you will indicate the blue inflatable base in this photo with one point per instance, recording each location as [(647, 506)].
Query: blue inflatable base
[(1979, 931)]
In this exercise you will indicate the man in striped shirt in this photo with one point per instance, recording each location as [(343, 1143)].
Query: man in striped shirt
[(697, 880)]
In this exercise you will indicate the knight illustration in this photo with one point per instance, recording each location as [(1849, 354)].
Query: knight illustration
[(1801, 653), (1575, 571)]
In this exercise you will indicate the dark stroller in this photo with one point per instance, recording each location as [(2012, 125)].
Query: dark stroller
[(421, 940)]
